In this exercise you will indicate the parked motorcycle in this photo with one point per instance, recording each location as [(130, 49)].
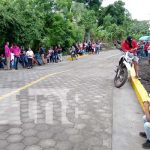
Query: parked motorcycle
[(123, 69)]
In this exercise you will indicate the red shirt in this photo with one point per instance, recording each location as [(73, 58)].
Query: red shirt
[(146, 47), (125, 46)]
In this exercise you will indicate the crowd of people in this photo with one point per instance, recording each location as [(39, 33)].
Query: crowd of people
[(144, 50), (85, 48), (14, 55), (27, 58)]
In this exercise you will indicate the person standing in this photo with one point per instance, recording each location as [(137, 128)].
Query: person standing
[(51, 52), (60, 53), (30, 56), (97, 49), (42, 53), (7, 55), (16, 50), (55, 54), (146, 49), (93, 47)]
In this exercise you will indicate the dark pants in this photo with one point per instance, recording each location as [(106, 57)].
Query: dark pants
[(24, 61), (146, 53), (51, 58), (29, 62), (55, 57), (97, 50), (2, 64), (16, 60)]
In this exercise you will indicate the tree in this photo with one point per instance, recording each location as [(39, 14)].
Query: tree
[(89, 21), (139, 27), (91, 4), (117, 11), (51, 22), (62, 32), (19, 23)]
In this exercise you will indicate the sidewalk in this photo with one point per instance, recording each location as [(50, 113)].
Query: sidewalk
[(127, 120)]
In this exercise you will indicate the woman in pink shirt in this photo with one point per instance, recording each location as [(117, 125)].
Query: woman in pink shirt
[(16, 50), (7, 55)]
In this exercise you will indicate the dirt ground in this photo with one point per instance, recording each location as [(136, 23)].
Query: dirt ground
[(145, 74)]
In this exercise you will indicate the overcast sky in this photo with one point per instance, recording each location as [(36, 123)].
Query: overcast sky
[(139, 9)]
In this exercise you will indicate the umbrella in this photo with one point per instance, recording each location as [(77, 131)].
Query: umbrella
[(144, 38)]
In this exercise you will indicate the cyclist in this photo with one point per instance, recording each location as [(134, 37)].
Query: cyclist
[(130, 45), (73, 52)]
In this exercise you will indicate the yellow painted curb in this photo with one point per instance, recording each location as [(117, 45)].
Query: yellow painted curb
[(140, 91), (69, 58)]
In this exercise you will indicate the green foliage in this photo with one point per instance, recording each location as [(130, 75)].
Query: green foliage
[(88, 19), (117, 23), (91, 4), (139, 27), (19, 23), (108, 20), (116, 11), (51, 22), (62, 32)]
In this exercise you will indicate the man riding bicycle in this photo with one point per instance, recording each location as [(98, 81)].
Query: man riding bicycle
[(73, 52), (130, 45)]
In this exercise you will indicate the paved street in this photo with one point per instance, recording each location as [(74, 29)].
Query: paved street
[(64, 106)]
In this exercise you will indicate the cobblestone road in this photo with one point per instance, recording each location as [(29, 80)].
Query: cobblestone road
[(69, 110)]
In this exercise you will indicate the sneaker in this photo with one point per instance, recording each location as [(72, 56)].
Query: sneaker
[(142, 134), (146, 145)]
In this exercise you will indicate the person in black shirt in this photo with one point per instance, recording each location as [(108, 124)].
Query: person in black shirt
[(42, 53)]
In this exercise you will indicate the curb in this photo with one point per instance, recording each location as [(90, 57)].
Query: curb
[(69, 58), (140, 91)]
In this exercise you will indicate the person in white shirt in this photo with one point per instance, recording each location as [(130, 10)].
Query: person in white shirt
[(30, 56), (12, 60)]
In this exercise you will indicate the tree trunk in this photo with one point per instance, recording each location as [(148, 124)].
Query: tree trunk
[(87, 35)]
